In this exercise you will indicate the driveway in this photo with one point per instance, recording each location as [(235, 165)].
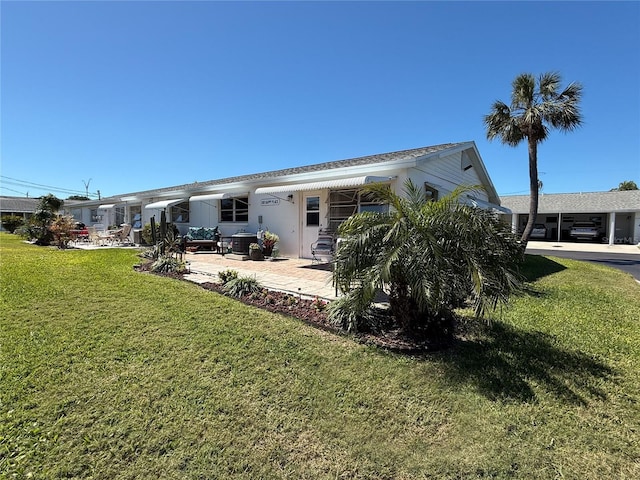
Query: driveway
[(622, 257)]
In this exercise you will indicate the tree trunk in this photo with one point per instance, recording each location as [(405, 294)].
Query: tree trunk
[(534, 188), (402, 306)]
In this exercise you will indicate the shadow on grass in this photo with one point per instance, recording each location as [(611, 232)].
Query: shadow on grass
[(509, 364), (537, 266)]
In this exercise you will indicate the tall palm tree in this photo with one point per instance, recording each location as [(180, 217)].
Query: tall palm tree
[(429, 256), (535, 107)]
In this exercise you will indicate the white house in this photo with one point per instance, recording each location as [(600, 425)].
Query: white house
[(297, 202)]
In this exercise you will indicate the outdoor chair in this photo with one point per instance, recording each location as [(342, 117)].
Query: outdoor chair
[(323, 247), (121, 235)]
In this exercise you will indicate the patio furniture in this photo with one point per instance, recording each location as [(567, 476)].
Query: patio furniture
[(121, 236), (93, 237), (79, 235), (323, 247), (201, 238)]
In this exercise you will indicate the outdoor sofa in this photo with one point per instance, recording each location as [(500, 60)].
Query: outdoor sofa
[(201, 238)]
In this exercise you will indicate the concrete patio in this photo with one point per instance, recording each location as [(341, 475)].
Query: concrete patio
[(297, 276)]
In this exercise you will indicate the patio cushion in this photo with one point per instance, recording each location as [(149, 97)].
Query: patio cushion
[(202, 233)]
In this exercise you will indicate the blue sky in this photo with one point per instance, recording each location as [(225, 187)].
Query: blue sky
[(140, 95)]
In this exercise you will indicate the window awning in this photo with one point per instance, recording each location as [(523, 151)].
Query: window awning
[(164, 203), (107, 206), (476, 202), (337, 183), (217, 196)]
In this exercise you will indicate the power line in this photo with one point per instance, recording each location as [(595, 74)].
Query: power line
[(25, 183), (15, 191)]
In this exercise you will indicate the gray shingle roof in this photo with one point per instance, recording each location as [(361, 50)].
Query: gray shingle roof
[(593, 202), (275, 174), (18, 204)]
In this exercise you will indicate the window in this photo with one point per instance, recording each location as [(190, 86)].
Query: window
[(234, 209), (95, 218), (180, 213), (135, 216), (430, 192), (76, 213), (119, 215), (313, 211), (344, 203), (368, 204)]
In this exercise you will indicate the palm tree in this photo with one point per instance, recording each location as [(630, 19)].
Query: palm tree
[(531, 114), (626, 185), (429, 256)]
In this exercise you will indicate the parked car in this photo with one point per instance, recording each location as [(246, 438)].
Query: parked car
[(585, 231), (539, 231)]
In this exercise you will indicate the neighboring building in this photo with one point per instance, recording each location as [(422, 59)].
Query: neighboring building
[(18, 206), (617, 213), (297, 202)]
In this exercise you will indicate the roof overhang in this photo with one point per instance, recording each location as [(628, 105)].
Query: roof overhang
[(336, 183), (164, 203), (217, 196), (476, 202)]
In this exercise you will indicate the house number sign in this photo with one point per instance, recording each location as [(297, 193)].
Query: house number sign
[(267, 202)]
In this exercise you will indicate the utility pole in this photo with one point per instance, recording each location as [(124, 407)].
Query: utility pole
[(86, 187)]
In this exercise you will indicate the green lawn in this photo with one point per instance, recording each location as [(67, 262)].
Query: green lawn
[(108, 373)]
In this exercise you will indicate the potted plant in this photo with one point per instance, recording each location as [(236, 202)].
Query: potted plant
[(255, 253), (269, 240)]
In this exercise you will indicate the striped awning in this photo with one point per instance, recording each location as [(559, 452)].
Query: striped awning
[(164, 203), (336, 183), (217, 196), (106, 206)]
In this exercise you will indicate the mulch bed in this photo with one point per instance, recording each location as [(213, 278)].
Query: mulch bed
[(313, 312)]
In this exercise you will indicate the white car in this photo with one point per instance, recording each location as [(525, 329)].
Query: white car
[(539, 231), (584, 231)]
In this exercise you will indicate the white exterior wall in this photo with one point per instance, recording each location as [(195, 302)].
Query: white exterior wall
[(445, 174), (280, 216)]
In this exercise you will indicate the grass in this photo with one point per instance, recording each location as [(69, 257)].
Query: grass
[(106, 373)]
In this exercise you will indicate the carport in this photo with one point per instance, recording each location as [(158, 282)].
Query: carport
[(617, 214)]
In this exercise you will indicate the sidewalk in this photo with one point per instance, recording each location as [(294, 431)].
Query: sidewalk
[(583, 247)]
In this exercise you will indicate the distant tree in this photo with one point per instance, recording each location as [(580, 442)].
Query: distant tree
[(531, 114), (11, 222), (626, 185), (45, 213), (50, 202), (78, 197)]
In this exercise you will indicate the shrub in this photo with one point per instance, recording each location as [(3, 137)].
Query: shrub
[(227, 275), (61, 230), (241, 286), (168, 264), (11, 222), (430, 257)]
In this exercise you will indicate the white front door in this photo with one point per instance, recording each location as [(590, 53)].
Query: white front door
[(313, 218)]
